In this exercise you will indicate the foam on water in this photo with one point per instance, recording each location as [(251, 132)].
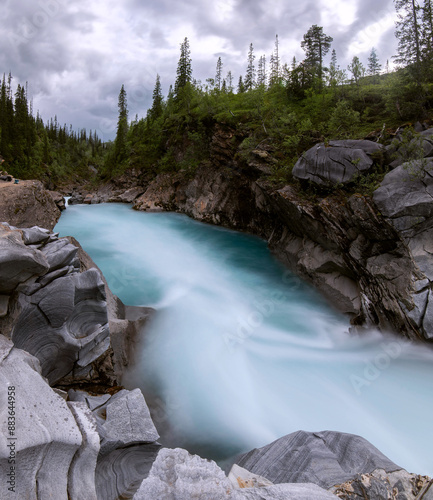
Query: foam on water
[(241, 352)]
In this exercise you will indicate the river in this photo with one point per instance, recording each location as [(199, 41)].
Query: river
[(241, 352)]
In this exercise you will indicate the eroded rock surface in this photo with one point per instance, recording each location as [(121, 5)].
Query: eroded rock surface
[(27, 204), (47, 435), (338, 162), (178, 475)]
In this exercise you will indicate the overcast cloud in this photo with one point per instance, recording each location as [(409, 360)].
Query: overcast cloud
[(76, 54)]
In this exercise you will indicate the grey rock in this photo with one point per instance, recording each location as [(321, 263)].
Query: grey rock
[(340, 162), (380, 485), (4, 305), (47, 434), (177, 475), (17, 262), (243, 478), (81, 477), (407, 191), (65, 324), (35, 234), (323, 458), (122, 419), (287, 492), (120, 473), (60, 253)]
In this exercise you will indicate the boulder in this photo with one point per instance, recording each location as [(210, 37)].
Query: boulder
[(405, 195), (58, 199), (49, 308), (379, 484), (323, 458), (122, 419), (39, 444), (27, 204), (64, 324), (339, 162), (120, 472), (178, 475), (17, 261)]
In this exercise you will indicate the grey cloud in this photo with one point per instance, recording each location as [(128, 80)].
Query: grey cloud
[(52, 44)]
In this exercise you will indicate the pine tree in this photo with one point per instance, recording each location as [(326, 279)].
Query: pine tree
[(250, 77), (408, 33), (229, 80), (274, 76), (122, 128), (241, 85), (261, 71), (316, 45), (374, 67), (218, 74), (184, 69), (427, 31), (357, 69), (157, 104)]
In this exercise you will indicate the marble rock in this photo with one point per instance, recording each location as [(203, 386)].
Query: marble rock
[(64, 324), (338, 162), (47, 435), (323, 458), (81, 476), (122, 419), (177, 475), (18, 262)]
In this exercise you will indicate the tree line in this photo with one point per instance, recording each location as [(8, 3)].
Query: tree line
[(49, 151), (290, 106)]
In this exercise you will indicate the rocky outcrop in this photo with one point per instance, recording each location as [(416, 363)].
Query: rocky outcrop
[(364, 261), (27, 204), (338, 162), (177, 474), (57, 306), (56, 313), (41, 437), (405, 198), (340, 244), (347, 465)]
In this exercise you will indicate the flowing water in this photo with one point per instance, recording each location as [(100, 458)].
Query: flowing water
[(241, 352)]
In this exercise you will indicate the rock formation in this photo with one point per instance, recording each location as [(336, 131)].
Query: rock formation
[(339, 162), (27, 204), (354, 252)]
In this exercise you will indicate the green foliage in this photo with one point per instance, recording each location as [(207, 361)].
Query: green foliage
[(343, 120), (32, 150)]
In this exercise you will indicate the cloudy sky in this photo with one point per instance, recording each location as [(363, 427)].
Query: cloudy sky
[(76, 54)]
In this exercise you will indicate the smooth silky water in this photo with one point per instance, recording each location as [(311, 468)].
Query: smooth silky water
[(240, 352)]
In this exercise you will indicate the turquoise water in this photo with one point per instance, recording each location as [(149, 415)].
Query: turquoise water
[(241, 352)]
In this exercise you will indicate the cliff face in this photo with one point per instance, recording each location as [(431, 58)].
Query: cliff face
[(342, 244), (27, 204)]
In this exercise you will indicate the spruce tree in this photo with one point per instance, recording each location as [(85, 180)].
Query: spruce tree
[(184, 69), (250, 77), (157, 103), (241, 85), (122, 128), (316, 45), (373, 68), (218, 74), (261, 71), (408, 33)]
